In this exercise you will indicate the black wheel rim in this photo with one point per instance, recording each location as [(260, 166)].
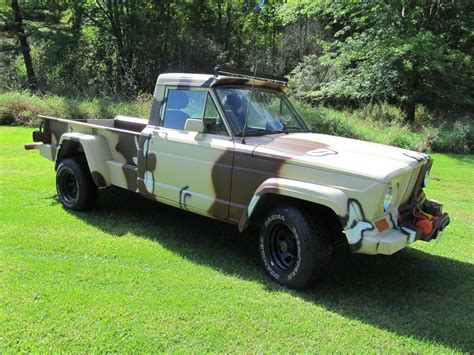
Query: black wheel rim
[(282, 246), (69, 186)]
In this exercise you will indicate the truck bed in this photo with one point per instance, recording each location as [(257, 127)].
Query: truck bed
[(122, 123), (113, 141)]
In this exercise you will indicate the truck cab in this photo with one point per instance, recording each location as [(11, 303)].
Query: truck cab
[(195, 132)]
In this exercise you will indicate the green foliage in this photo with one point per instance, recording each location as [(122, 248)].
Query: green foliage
[(381, 123), (380, 112), (456, 138), (380, 61), (385, 124), (105, 48), (22, 108), (403, 52)]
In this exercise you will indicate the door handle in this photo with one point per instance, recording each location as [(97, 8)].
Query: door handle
[(161, 134)]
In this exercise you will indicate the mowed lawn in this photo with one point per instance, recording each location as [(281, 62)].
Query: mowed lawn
[(133, 275)]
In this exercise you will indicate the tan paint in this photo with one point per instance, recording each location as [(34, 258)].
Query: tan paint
[(187, 164), (347, 156), (97, 153)]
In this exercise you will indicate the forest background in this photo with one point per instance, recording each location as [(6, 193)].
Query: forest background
[(397, 72)]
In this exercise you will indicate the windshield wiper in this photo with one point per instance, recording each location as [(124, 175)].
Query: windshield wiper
[(262, 131), (255, 131), (251, 131)]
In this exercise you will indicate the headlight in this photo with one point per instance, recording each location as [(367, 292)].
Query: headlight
[(426, 180), (388, 198)]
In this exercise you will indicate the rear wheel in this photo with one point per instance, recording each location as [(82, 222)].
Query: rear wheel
[(74, 184), (293, 247)]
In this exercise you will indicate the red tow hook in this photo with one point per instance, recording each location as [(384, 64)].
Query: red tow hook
[(426, 225), (430, 224)]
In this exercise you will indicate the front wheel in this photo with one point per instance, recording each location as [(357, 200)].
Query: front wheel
[(294, 248), (74, 185)]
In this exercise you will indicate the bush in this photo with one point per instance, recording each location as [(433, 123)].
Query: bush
[(381, 123), (22, 108), (328, 121), (459, 138), (380, 112), (18, 108)]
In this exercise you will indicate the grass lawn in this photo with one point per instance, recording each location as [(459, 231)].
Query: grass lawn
[(135, 275)]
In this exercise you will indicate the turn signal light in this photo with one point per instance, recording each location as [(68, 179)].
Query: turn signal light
[(381, 225)]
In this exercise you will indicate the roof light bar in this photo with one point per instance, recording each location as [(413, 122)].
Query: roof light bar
[(244, 74)]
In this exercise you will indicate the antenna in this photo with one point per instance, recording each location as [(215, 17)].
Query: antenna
[(250, 102)]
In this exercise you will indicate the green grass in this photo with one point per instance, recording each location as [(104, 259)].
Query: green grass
[(133, 275)]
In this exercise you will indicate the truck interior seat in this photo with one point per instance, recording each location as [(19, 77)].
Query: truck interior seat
[(235, 110)]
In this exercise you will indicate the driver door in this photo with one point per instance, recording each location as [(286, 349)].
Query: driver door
[(191, 170)]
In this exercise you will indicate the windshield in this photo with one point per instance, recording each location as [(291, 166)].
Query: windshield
[(270, 111)]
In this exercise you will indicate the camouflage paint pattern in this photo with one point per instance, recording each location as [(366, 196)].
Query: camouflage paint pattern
[(219, 177), (111, 152)]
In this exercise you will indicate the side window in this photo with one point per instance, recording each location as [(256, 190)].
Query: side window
[(181, 105), (213, 122)]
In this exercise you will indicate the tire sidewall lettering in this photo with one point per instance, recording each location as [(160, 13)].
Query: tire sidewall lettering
[(298, 260), (265, 260), (274, 217), (278, 218)]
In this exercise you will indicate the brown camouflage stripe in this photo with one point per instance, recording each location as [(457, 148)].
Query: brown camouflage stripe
[(98, 179)]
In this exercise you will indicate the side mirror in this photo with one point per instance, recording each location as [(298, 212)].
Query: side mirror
[(194, 125)]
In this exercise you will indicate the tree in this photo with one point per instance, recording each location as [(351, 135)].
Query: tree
[(406, 52), (23, 28), (18, 28)]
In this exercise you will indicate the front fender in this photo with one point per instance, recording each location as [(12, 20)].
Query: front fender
[(330, 197), (96, 150)]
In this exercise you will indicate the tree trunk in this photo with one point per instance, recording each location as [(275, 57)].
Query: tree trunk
[(25, 47), (219, 22), (409, 110)]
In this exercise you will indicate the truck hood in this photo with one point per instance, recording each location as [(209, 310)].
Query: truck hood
[(346, 156)]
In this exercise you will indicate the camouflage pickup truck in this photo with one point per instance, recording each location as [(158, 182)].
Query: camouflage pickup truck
[(232, 147)]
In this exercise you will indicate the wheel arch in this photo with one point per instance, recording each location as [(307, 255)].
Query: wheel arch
[(95, 150), (313, 199)]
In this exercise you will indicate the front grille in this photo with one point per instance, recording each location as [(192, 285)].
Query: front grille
[(416, 197)]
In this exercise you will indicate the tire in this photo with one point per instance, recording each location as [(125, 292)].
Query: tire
[(294, 248), (74, 184)]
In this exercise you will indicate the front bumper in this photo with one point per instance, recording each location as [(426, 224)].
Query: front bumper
[(365, 237), (387, 242)]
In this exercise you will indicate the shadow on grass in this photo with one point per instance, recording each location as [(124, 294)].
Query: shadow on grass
[(411, 293)]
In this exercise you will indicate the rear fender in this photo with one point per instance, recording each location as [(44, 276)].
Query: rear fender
[(96, 150), (330, 197)]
